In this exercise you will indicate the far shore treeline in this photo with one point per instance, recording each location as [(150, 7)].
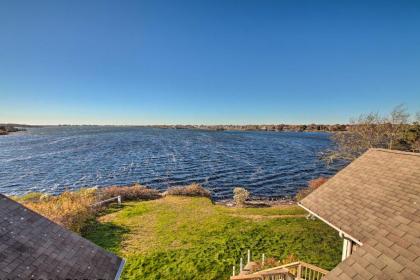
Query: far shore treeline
[(248, 127), (264, 127), (7, 128)]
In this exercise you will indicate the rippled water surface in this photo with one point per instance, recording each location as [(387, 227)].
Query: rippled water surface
[(52, 159)]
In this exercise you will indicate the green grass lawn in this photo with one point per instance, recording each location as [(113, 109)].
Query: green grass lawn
[(191, 238)]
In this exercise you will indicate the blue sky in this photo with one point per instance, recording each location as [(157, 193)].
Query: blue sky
[(156, 62)]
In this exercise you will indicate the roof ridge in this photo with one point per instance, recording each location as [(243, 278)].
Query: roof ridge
[(395, 151)]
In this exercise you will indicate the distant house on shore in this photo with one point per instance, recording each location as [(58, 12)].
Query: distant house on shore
[(374, 203), (33, 247)]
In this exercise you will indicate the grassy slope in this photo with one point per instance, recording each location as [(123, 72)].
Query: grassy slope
[(190, 238)]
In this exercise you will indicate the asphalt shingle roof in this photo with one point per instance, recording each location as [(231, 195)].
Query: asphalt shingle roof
[(33, 247), (376, 201)]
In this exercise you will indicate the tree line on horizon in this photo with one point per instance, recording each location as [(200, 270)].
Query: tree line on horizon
[(263, 127)]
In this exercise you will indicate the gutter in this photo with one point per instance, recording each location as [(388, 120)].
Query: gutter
[(340, 231), (120, 270)]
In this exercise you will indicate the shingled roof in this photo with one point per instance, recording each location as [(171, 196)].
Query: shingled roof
[(33, 247), (375, 201)]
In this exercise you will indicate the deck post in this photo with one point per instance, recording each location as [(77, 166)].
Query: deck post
[(299, 272), (233, 272), (249, 256), (241, 266), (347, 245), (262, 260)]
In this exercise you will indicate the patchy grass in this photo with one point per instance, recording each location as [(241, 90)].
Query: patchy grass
[(267, 211), (29, 197), (190, 238), (108, 235)]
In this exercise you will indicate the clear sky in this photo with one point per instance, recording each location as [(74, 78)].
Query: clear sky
[(157, 62)]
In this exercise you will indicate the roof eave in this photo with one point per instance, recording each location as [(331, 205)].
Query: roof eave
[(120, 270), (344, 234)]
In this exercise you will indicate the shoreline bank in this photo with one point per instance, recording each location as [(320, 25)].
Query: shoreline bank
[(6, 129), (148, 193)]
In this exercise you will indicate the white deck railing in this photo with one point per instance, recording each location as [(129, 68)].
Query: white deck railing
[(292, 271)]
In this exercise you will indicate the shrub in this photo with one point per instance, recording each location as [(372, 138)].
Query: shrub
[(73, 210), (70, 209), (289, 259), (268, 263), (272, 262), (135, 192), (240, 195), (190, 190), (312, 185)]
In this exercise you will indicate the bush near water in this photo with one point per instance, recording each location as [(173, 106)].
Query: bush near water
[(240, 195), (135, 192), (190, 190), (312, 185), (72, 210)]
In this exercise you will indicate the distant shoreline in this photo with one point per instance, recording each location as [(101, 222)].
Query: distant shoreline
[(7, 129), (279, 127), (251, 127)]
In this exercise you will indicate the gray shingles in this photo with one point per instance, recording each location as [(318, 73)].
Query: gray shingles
[(375, 200), (34, 247)]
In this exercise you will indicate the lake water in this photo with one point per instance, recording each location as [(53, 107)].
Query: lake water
[(53, 159)]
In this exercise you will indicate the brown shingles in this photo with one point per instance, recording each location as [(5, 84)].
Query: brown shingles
[(361, 271), (35, 248), (375, 200)]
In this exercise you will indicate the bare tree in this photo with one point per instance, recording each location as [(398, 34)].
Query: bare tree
[(396, 125), (412, 135), (363, 133), (415, 147), (375, 131)]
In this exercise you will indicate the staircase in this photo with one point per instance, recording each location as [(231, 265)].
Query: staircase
[(292, 271)]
